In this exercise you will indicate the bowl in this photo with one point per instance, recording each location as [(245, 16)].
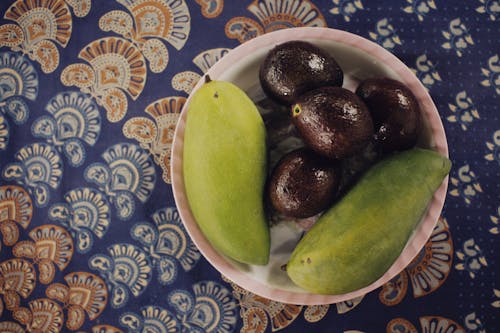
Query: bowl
[(359, 58)]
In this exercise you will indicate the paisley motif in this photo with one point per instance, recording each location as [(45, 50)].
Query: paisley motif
[(129, 172), (141, 129), (11, 35), (254, 320), (9, 232), (400, 325), (85, 213), (280, 314), (208, 58), (315, 313), (429, 324), (149, 22), (17, 279), (79, 75), (11, 327), (167, 243), (15, 208), (427, 271), (209, 309), (80, 7), (51, 246), (211, 8), (215, 309), (151, 319), (345, 306), (118, 22), (395, 290), (116, 66), (116, 104), (39, 168), (157, 136), (18, 81), (165, 19), (73, 119), (257, 311), (43, 315), (185, 81), (126, 270), (18, 77), (182, 301), (157, 54), (274, 15), (84, 293), (243, 29), (42, 20), (46, 53), (43, 23)]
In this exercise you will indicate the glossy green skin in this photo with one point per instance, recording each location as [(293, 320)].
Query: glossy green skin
[(356, 241), (225, 170)]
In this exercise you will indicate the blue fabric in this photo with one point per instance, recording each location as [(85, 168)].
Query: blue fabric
[(88, 103)]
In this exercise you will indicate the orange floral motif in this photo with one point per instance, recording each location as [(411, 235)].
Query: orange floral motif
[(274, 15), (84, 293), (80, 7), (156, 136), (429, 324), (40, 25), (428, 270), (11, 327), (257, 311), (211, 8), (150, 22), (43, 315), (186, 81), (51, 246), (16, 208), (116, 67), (17, 278)]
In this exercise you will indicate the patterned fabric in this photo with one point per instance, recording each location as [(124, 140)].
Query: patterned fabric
[(90, 93)]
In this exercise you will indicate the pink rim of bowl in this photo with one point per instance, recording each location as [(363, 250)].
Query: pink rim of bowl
[(430, 113)]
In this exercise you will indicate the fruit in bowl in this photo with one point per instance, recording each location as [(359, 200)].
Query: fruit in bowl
[(225, 171), (361, 263)]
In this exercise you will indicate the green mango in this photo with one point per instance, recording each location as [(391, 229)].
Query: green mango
[(357, 240), (224, 166)]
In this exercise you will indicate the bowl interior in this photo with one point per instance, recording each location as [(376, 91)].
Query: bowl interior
[(359, 59)]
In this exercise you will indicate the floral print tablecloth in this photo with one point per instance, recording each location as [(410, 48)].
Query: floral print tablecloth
[(90, 92)]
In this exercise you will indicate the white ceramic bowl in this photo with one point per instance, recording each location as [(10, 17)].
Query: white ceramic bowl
[(359, 58)]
